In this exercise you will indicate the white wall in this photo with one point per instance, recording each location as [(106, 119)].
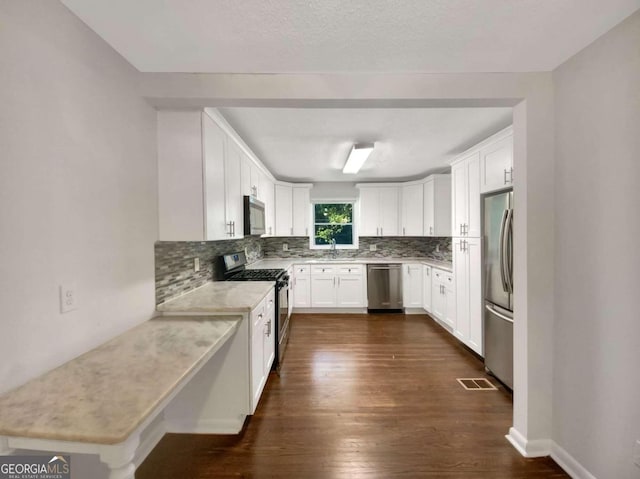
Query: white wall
[(597, 336), (77, 190)]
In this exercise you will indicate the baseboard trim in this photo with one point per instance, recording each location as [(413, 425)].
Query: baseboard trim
[(208, 426), (535, 448), (569, 463)]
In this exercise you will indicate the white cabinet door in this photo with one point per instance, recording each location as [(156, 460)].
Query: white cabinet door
[(388, 211), (426, 288), (496, 165), (257, 354), (369, 211), (466, 197), (438, 295), (460, 270), (473, 210), (474, 293), (269, 335), (429, 207), (323, 291), (450, 300), (301, 287), (437, 205), (350, 291), (301, 210), (268, 191), (412, 204), (233, 190), (459, 197), (245, 175), (284, 210), (412, 285), (255, 175), (214, 140)]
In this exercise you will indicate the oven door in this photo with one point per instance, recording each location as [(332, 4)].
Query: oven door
[(283, 318)]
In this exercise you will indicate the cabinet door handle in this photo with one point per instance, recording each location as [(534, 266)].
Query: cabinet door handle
[(334, 281), (430, 230), (460, 229), (505, 176), (306, 231), (292, 231), (404, 231), (338, 281), (381, 233), (377, 228)]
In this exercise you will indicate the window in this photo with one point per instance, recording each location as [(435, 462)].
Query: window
[(333, 222)]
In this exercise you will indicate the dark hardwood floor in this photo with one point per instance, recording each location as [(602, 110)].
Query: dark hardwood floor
[(365, 396)]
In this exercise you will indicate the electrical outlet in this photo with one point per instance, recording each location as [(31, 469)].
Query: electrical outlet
[(68, 297), (373, 247), (437, 248), (636, 453), (196, 264), (285, 246)]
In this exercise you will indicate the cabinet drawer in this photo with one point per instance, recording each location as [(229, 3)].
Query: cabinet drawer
[(323, 269), (301, 269), (440, 276), (350, 269)]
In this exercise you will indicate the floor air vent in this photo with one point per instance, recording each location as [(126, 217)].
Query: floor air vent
[(476, 384)]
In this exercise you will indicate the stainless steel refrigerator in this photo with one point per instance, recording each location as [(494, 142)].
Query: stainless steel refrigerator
[(498, 296)]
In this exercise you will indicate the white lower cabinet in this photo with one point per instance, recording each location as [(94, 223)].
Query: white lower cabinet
[(467, 264), (412, 285), (443, 297), (426, 288), (301, 286), (338, 286), (262, 346)]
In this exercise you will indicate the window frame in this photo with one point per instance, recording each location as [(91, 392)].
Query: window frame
[(354, 227)]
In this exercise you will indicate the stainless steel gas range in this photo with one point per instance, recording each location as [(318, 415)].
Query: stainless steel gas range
[(234, 267)]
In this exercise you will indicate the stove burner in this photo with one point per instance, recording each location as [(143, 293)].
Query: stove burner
[(256, 275)]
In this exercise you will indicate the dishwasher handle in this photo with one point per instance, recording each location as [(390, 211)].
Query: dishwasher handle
[(384, 268)]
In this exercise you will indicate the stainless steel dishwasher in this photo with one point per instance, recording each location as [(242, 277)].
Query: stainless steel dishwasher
[(384, 287)]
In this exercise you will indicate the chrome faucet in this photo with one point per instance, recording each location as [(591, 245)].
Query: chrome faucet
[(334, 251)]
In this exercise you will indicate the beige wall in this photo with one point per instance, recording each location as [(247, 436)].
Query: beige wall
[(77, 190), (596, 401)]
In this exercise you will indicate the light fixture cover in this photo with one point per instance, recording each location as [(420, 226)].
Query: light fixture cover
[(357, 156)]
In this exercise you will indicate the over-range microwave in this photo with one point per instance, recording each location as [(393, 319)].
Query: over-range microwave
[(254, 217)]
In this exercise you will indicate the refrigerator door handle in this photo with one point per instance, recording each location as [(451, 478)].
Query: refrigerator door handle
[(509, 251), (500, 315), (501, 248)]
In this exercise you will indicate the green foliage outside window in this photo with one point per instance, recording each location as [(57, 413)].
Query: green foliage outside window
[(333, 221)]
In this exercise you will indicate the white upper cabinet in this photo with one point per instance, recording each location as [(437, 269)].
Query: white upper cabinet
[(284, 210), (255, 186), (412, 210), (267, 190), (191, 190), (245, 175), (496, 162), (369, 212), (293, 210), (437, 205), (301, 210), (233, 191), (465, 196), (379, 210)]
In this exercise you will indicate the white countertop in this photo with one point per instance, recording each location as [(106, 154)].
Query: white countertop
[(220, 297), (102, 396), (285, 263)]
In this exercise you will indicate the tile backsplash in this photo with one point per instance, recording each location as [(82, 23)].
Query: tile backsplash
[(398, 247), (174, 259), (174, 263)]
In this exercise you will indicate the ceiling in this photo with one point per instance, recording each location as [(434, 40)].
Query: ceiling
[(431, 36), (309, 144)]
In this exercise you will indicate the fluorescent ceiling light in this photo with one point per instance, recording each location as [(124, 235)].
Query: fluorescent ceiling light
[(357, 156)]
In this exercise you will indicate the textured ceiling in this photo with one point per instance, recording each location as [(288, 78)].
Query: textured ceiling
[(313, 144), (251, 36)]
